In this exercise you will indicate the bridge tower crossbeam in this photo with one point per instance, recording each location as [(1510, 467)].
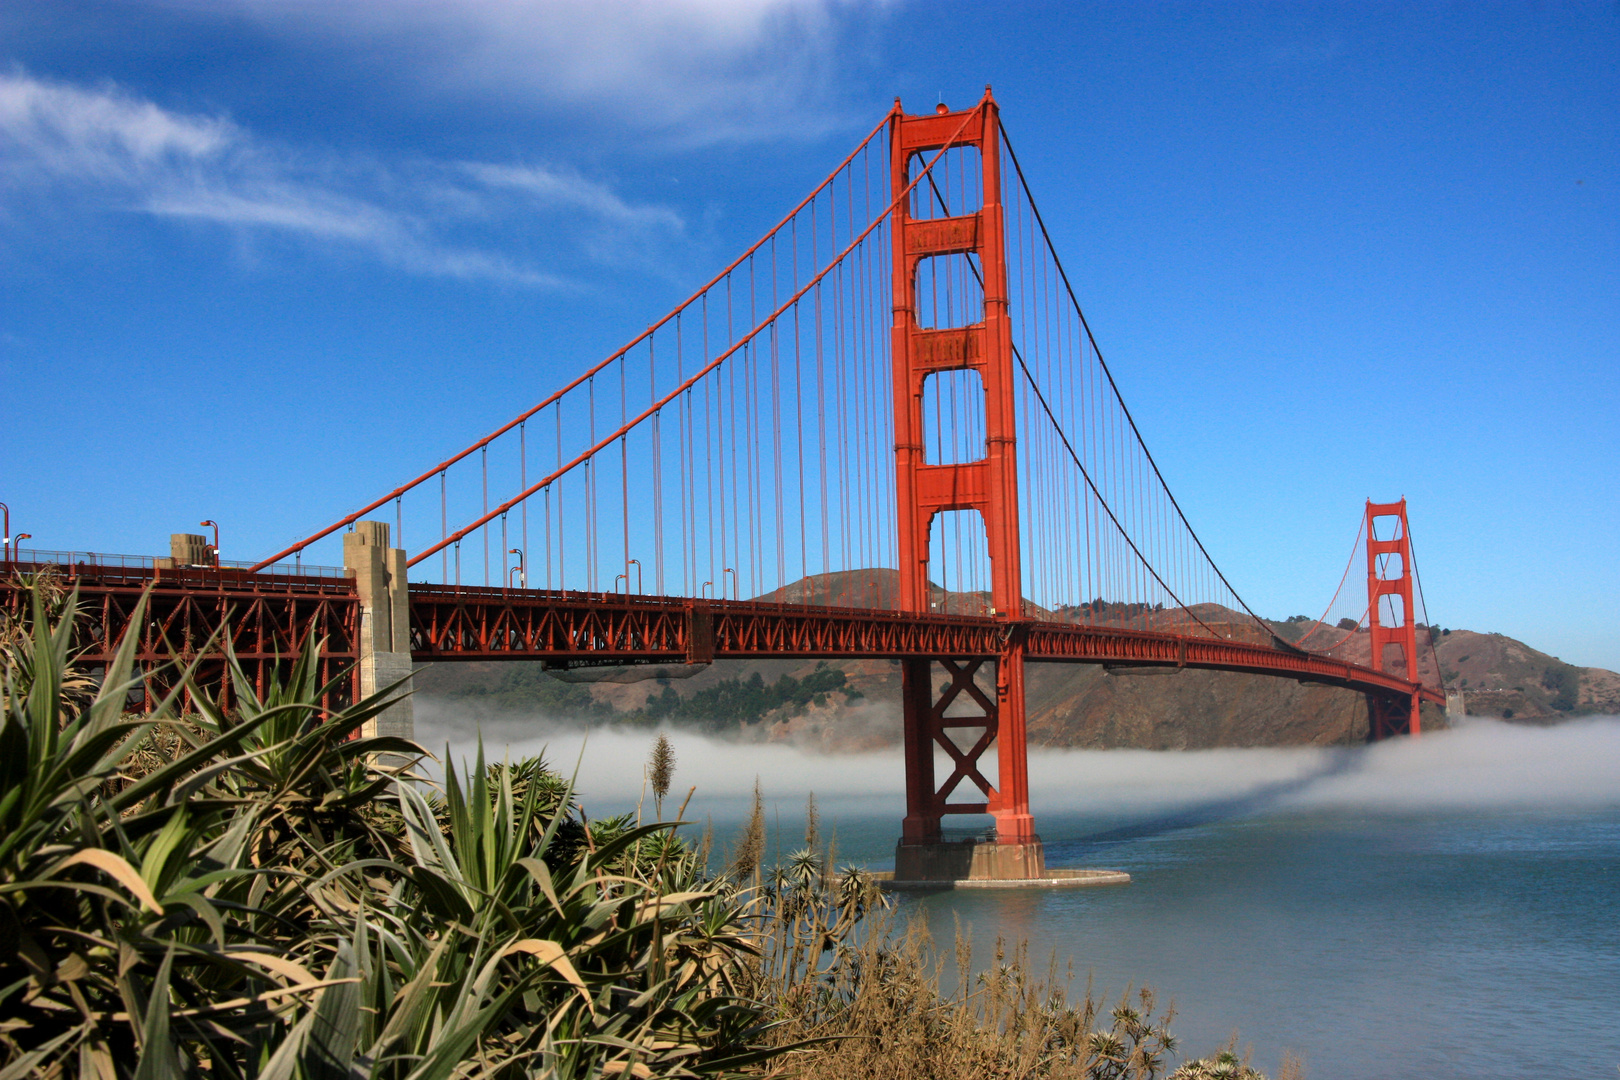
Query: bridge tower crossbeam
[(1387, 717), (988, 486)]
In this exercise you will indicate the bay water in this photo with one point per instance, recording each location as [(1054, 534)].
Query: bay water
[(1442, 907)]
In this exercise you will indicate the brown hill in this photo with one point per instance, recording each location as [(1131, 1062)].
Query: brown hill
[(1502, 677), (1070, 705)]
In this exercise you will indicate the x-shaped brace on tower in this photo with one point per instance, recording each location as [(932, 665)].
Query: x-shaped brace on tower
[(967, 762)]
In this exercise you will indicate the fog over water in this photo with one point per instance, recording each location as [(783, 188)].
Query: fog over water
[(1479, 764)]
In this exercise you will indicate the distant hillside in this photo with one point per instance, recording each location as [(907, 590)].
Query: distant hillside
[(1499, 676), (831, 706), (1503, 677), (854, 705)]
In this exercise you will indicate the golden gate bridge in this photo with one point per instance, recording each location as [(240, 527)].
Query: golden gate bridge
[(886, 424)]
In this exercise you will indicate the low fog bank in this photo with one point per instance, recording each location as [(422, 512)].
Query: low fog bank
[(1480, 764), (610, 768)]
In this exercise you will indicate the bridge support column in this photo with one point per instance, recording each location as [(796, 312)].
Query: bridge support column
[(1014, 824), (1388, 717), (1389, 584), (921, 825), (385, 624), (924, 852), (988, 486)]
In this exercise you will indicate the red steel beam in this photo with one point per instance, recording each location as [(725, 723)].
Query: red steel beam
[(270, 617), (467, 623)]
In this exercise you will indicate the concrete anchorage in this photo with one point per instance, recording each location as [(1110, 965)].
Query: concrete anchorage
[(187, 549), (385, 624)]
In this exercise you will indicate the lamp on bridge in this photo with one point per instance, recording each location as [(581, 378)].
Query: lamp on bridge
[(215, 548), (17, 543), (7, 511), (523, 577)]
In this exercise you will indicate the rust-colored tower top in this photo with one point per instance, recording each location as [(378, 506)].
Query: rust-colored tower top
[(1381, 582), (988, 485), (977, 340)]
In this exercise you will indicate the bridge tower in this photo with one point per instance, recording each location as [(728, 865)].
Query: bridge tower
[(988, 486), (1386, 718)]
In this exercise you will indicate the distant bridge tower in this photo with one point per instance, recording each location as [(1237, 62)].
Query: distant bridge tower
[(1389, 574), (988, 486)]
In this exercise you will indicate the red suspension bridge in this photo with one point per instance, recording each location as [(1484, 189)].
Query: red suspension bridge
[(887, 424)]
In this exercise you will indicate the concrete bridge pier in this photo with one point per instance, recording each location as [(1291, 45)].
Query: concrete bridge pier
[(923, 854), (385, 624)]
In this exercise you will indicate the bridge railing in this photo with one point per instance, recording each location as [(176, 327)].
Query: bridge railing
[(45, 557)]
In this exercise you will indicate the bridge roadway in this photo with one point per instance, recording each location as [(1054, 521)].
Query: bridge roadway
[(271, 615)]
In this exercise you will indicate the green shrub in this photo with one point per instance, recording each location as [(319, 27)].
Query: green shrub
[(252, 895), (1564, 680), (733, 702)]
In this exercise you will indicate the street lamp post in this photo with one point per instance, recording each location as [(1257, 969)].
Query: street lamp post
[(640, 588), (7, 511), (736, 590), (523, 577), (215, 524), (17, 543)]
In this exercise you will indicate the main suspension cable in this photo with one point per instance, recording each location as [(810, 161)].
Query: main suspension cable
[(1114, 386)]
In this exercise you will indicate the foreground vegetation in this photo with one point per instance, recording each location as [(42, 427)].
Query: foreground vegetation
[(257, 894)]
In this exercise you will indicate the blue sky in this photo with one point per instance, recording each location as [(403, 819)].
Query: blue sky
[(259, 261)]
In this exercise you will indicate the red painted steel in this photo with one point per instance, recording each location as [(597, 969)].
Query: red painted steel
[(469, 623), (1384, 722), (988, 485), (269, 618)]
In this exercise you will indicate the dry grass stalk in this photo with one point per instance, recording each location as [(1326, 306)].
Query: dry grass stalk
[(863, 995), (880, 1000), (750, 849), (812, 824), (660, 770)]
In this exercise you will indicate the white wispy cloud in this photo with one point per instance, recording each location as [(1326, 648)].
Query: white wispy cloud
[(288, 210), (67, 132), (395, 238), (568, 189), (60, 142), (695, 71)]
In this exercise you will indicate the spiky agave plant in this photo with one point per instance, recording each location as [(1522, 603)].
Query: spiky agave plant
[(632, 965), (262, 900), (109, 939), (30, 599)]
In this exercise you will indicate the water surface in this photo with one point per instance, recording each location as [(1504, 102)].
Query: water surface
[(1446, 908)]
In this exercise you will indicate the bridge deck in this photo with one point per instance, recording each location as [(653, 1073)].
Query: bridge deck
[(450, 623), (271, 616)]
